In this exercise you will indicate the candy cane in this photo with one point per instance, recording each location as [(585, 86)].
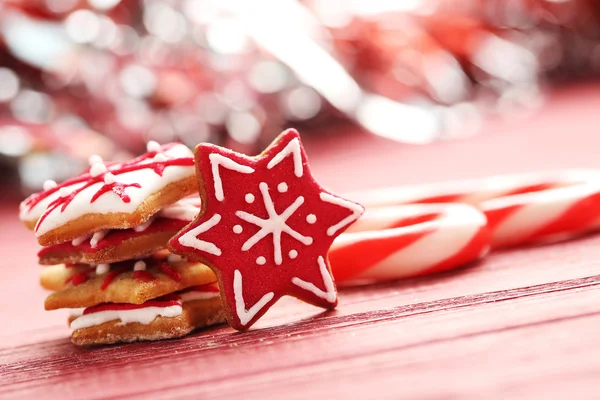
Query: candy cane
[(475, 191), (397, 238), (404, 241), (521, 209)]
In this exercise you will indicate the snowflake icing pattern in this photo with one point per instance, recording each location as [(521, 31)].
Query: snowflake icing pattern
[(265, 228)]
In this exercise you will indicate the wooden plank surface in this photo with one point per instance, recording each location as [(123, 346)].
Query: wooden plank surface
[(522, 323)]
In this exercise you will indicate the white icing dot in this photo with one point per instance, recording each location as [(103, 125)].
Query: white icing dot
[(63, 192), (97, 237), (160, 157), (261, 260), (144, 226), (139, 266), (97, 169), (282, 187), (49, 184), (237, 229), (95, 159), (249, 198), (152, 146), (109, 178), (174, 258), (293, 254), (78, 240), (102, 269), (311, 218)]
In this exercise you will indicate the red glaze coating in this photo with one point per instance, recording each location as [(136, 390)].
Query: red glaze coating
[(209, 287), (116, 237), (164, 301), (78, 278), (169, 271), (262, 284), (143, 276)]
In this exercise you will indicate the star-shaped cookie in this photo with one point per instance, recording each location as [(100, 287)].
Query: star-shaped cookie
[(265, 228)]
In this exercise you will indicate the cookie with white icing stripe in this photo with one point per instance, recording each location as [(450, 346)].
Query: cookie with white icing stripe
[(126, 282), (111, 195), (170, 317), (105, 247)]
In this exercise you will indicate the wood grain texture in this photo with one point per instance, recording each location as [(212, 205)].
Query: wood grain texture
[(522, 323)]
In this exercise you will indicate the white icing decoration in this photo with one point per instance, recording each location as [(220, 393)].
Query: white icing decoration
[(190, 239), (97, 237), (159, 157), (355, 208), (238, 229), (81, 204), (152, 146), (64, 192), (95, 159), (27, 214), (293, 147), (249, 198), (109, 178), (143, 315), (275, 224), (261, 260), (197, 295), (311, 218), (102, 269), (78, 240), (76, 312), (215, 161), (293, 254), (139, 266), (144, 226), (185, 210), (330, 293), (240, 306), (97, 169), (282, 187), (49, 184)]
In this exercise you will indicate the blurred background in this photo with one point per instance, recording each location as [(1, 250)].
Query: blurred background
[(82, 77)]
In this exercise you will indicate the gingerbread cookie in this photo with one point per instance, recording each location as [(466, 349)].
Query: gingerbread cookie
[(132, 281), (105, 247), (169, 317), (111, 195), (265, 228)]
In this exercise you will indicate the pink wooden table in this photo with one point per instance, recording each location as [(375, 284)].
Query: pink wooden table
[(522, 323)]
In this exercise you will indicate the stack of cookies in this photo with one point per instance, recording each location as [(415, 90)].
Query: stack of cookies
[(104, 235)]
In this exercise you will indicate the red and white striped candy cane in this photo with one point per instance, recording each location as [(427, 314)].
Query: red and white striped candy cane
[(398, 237), (410, 240), (521, 209)]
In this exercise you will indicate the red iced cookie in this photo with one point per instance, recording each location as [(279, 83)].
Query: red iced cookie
[(265, 228)]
